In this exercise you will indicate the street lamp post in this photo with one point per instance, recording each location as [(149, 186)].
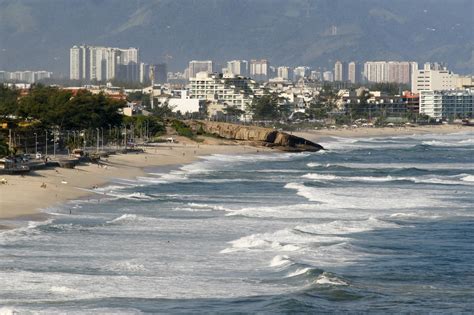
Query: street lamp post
[(46, 144), (98, 140), (54, 143), (102, 129), (84, 142), (36, 143)]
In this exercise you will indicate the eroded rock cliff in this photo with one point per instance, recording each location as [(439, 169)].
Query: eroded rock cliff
[(262, 136)]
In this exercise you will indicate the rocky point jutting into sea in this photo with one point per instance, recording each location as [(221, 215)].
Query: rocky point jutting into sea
[(257, 135)]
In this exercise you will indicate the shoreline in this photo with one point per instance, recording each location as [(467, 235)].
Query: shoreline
[(23, 197), (316, 135)]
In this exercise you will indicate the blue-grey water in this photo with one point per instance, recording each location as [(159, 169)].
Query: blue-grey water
[(372, 225)]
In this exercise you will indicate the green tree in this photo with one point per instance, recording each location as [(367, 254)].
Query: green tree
[(3, 147), (324, 103), (62, 109), (8, 101), (139, 97), (265, 107)]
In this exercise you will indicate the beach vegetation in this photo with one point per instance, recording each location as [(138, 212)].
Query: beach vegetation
[(145, 125), (3, 146), (182, 129)]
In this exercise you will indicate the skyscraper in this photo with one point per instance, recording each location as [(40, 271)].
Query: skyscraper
[(79, 63), (259, 69), (238, 67), (376, 71), (391, 71), (196, 66), (340, 71), (300, 72), (97, 63), (328, 76), (353, 72), (161, 73), (284, 73)]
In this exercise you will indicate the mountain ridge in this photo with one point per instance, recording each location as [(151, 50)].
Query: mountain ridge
[(37, 34)]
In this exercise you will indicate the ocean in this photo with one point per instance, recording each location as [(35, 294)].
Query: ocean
[(376, 225)]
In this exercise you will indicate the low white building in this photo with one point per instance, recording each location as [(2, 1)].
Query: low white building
[(184, 104)]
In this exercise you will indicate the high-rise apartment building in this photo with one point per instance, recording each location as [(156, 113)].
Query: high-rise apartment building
[(301, 72), (25, 76), (328, 76), (161, 73), (238, 67), (79, 63), (340, 71), (391, 71), (376, 71), (353, 72), (259, 69), (399, 72), (196, 66), (144, 73), (97, 63), (284, 73)]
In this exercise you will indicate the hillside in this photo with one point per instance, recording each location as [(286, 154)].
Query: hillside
[(38, 33)]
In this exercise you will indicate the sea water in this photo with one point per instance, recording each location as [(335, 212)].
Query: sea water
[(371, 225)]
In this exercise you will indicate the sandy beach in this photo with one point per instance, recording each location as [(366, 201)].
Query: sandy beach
[(26, 196)]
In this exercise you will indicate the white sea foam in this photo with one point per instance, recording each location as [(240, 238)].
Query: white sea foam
[(411, 215), (364, 198), (320, 176), (207, 206), (290, 211), (340, 227), (436, 143), (327, 279), (280, 261), (468, 178), (422, 166), (442, 180), (349, 144), (124, 218), (24, 233), (132, 196), (298, 272), (62, 290), (126, 266), (8, 311), (282, 240)]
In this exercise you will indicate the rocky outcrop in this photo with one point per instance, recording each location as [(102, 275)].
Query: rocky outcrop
[(263, 136)]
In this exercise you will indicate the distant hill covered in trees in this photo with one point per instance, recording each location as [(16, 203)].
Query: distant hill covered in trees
[(38, 34)]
